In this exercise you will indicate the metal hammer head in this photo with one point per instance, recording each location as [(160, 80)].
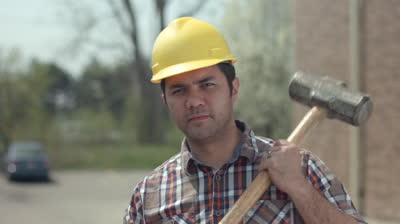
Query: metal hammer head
[(340, 102)]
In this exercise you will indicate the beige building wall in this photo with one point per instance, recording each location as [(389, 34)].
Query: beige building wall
[(323, 47)]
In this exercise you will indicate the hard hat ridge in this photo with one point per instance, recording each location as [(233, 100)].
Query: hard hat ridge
[(187, 44)]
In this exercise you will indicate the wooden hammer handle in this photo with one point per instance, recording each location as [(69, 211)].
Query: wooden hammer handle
[(262, 181), (310, 120)]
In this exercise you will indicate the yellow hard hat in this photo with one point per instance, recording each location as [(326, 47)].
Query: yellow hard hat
[(187, 44)]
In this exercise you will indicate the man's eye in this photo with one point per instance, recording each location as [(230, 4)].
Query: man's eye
[(207, 84), (177, 91)]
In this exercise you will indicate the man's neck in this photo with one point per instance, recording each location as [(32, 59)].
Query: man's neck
[(216, 152)]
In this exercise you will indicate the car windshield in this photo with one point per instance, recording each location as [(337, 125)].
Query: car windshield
[(26, 150), (28, 153)]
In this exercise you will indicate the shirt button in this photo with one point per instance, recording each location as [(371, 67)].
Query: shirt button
[(218, 213)]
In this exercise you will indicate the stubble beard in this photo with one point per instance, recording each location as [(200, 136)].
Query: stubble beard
[(209, 130)]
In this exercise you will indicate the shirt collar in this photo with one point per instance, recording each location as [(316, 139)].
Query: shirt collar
[(246, 148)]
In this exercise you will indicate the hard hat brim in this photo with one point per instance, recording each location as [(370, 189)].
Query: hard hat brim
[(187, 67)]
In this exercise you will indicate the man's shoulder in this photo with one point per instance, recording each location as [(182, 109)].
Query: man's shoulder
[(172, 164)]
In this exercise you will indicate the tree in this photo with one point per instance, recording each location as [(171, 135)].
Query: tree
[(57, 93), (102, 87), (29, 95), (125, 14), (11, 63), (263, 47)]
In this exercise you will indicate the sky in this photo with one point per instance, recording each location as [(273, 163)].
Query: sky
[(32, 27), (42, 29)]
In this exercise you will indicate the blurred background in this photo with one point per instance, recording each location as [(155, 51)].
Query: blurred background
[(74, 77)]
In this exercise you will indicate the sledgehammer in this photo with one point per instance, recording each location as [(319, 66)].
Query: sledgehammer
[(327, 97)]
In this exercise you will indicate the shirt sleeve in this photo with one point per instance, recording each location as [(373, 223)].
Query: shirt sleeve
[(133, 214), (329, 185)]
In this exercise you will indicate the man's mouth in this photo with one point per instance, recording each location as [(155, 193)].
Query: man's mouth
[(198, 117)]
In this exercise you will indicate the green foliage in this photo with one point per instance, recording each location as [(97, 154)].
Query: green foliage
[(174, 136), (40, 90), (104, 87), (90, 127), (110, 156), (19, 96), (89, 122), (258, 32)]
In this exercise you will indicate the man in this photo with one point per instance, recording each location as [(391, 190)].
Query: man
[(220, 156)]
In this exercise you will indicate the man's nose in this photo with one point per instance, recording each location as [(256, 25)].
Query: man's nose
[(194, 99)]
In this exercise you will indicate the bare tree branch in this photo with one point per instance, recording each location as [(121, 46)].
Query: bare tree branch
[(85, 22), (161, 11), (133, 34), (117, 15), (200, 4)]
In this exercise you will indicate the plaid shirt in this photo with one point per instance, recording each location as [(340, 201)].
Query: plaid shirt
[(184, 191)]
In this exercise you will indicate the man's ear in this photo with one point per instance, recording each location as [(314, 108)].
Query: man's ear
[(235, 88), (163, 98)]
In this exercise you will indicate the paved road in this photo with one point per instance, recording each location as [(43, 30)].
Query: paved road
[(78, 197)]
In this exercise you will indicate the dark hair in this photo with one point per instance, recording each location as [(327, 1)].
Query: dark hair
[(225, 67), (229, 71)]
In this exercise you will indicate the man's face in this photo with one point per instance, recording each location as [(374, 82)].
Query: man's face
[(201, 103)]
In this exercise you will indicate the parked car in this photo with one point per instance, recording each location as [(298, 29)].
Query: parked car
[(26, 160)]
